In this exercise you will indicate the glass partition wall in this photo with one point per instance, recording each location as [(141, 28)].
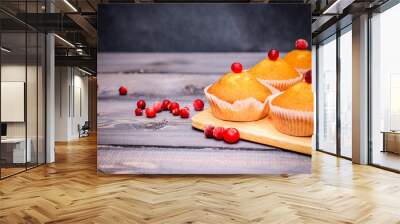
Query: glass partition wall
[(345, 92), (385, 89), (334, 89), (22, 98), (326, 53), (13, 122)]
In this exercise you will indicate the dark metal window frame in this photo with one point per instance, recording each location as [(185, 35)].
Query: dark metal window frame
[(340, 30)]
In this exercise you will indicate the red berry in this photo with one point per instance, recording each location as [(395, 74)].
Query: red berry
[(301, 44), (273, 54), (231, 135), (173, 105), (236, 67), (141, 104), (198, 104), (218, 133), (123, 91), (165, 104), (176, 111), (184, 113), (157, 106), (138, 112), (208, 131), (150, 112), (308, 77)]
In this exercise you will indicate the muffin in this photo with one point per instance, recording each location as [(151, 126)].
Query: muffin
[(276, 72), (238, 96), (292, 111), (300, 58)]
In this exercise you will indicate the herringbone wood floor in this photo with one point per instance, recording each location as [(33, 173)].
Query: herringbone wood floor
[(70, 191)]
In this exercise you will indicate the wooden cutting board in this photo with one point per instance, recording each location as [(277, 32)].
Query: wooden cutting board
[(261, 131)]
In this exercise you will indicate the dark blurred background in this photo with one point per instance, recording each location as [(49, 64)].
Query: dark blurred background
[(202, 27)]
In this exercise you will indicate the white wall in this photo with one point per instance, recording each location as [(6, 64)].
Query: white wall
[(62, 82), (70, 83), (80, 110), (17, 73)]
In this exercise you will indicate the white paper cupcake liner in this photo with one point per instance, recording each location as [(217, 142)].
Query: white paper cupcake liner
[(291, 122), (248, 109), (281, 85), (302, 70)]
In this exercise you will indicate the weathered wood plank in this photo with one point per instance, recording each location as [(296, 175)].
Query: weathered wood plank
[(119, 126), (154, 85), (199, 63), (261, 131), (168, 144), (158, 160)]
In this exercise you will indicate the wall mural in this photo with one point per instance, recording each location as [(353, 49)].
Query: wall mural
[(204, 89)]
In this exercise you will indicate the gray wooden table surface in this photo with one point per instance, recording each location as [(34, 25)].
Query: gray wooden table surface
[(166, 144)]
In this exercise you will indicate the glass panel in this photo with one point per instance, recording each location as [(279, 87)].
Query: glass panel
[(13, 87), (31, 99), (346, 94), (385, 88), (32, 88), (327, 96), (41, 98), (23, 85)]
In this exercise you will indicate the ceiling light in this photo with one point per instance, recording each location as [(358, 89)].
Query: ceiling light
[(84, 71), (338, 6), (331, 7), (5, 50), (65, 41), (70, 5)]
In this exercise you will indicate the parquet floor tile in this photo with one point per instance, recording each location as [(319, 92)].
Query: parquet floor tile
[(71, 191)]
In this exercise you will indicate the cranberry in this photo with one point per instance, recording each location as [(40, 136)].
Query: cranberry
[(236, 67), (218, 133), (301, 44), (150, 112), (184, 113), (198, 104), (165, 104), (157, 106), (138, 112), (176, 111), (208, 131), (273, 55), (308, 77), (173, 105), (141, 104), (231, 135), (123, 91)]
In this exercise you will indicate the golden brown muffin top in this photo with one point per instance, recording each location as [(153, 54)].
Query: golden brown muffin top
[(277, 69), (239, 86), (299, 59), (298, 97)]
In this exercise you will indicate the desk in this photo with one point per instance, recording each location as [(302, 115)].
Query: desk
[(16, 147), (391, 141)]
